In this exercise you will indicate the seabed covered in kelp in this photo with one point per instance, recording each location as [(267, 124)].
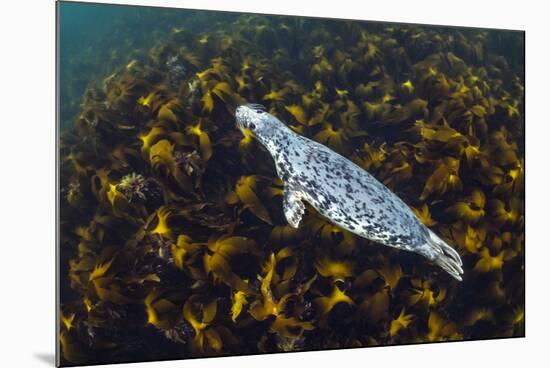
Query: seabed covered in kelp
[(173, 241)]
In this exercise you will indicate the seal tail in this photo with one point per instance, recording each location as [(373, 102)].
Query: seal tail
[(444, 256)]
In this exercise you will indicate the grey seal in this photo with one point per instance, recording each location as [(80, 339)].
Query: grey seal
[(341, 191)]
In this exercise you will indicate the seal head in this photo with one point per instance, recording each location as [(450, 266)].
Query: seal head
[(261, 124)]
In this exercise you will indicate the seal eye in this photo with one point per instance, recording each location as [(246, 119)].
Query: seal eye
[(251, 126)]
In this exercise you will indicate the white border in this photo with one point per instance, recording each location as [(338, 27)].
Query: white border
[(27, 182)]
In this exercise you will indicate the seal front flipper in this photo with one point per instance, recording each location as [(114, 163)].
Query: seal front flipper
[(293, 207)]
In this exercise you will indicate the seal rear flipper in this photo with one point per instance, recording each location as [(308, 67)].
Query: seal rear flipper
[(444, 256), (293, 207)]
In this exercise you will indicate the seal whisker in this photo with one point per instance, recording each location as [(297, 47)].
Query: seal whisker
[(256, 107)]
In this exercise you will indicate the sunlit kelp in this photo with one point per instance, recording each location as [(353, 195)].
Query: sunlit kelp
[(173, 239)]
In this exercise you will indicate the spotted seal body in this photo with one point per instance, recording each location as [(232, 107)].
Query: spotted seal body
[(342, 192)]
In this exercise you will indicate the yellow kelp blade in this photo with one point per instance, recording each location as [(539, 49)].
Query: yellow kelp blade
[(161, 156), (184, 249), (287, 258), (440, 329), (401, 322), (290, 326), (298, 113), (67, 320), (162, 227), (228, 246), (213, 339), (261, 309), (148, 139), (443, 179), (191, 314), (502, 213), (200, 314), (101, 269), (488, 262), (218, 261), (207, 102), (284, 234), (422, 293), (469, 210), (441, 134), (205, 145), (246, 190), (145, 101), (239, 301), (424, 215), (391, 274), (276, 95), (338, 270), (167, 112), (479, 314), (112, 290), (333, 137), (161, 313), (320, 115), (224, 91), (209, 312), (326, 303)]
